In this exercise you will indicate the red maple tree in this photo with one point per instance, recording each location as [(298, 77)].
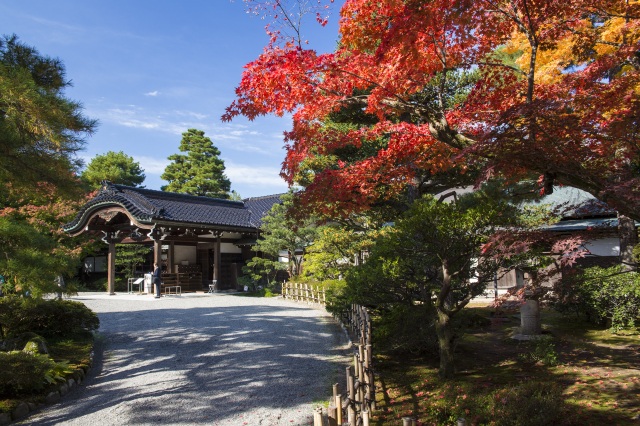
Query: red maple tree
[(555, 91)]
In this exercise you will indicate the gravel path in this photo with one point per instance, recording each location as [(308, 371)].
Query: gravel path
[(204, 359)]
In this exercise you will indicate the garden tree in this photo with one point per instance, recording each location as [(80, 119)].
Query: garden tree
[(41, 130), (554, 93), (199, 172), (282, 232), (130, 256), (115, 167), (433, 259), (34, 251), (335, 250)]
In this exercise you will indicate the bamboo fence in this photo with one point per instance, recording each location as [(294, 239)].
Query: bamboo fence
[(354, 408), (302, 292)]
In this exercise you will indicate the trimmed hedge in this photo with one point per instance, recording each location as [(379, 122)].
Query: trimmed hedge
[(47, 318)]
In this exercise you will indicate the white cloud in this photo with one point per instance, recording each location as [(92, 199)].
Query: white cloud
[(151, 165), (256, 176), (154, 93), (226, 136)]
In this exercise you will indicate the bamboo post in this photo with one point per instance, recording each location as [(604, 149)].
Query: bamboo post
[(365, 417), (317, 417), (339, 409), (351, 412), (332, 415), (371, 390)]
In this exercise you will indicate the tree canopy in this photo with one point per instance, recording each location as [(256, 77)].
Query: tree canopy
[(115, 167), (434, 258), (281, 232), (548, 88), (199, 172), (41, 130)]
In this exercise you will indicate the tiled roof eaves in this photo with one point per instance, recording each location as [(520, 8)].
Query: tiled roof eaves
[(217, 227), (174, 196), (97, 204)]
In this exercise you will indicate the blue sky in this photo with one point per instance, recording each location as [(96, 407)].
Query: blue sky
[(150, 70)]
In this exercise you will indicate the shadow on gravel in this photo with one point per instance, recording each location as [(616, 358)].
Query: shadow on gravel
[(208, 365)]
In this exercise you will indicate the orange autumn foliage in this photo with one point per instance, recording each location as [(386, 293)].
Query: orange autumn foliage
[(556, 93)]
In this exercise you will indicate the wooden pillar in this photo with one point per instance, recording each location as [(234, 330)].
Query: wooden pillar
[(170, 258), (218, 259), (111, 271), (157, 251), (111, 238)]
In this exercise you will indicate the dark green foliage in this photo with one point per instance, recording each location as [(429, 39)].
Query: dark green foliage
[(528, 404), (428, 266), (603, 295), (199, 172), (115, 167), (48, 318), (23, 373), (405, 328), (281, 232), (129, 256), (40, 128)]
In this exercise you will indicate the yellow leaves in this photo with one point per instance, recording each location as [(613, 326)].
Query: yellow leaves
[(615, 32), (563, 43)]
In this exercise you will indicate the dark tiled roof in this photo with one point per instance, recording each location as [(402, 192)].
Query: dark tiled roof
[(573, 203), (259, 206), (149, 206)]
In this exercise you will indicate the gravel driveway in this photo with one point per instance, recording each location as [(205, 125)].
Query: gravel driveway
[(204, 359)]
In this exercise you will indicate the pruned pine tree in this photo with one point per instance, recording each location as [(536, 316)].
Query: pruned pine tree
[(199, 171), (115, 167)]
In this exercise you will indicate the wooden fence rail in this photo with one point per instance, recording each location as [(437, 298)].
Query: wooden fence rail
[(302, 292)]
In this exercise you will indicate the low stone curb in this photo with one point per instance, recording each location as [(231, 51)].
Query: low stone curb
[(25, 408)]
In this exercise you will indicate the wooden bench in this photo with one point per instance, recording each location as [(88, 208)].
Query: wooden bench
[(173, 289)]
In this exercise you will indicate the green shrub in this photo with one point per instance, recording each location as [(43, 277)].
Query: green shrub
[(542, 350), (603, 295), (336, 302), (528, 404), (24, 373), (48, 318), (403, 328)]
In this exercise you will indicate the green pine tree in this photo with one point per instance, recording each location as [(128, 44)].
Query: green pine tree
[(199, 172), (41, 129), (116, 167)]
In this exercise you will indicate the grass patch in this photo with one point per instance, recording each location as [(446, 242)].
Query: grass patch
[(576, 375)]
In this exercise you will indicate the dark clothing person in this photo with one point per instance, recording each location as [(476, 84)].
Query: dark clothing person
[(157, 279)]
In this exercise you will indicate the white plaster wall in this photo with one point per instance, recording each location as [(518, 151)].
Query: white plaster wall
[(181, 253), (229, 248), (604, 247)]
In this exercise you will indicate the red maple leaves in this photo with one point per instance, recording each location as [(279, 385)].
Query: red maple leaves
[(554, 92)]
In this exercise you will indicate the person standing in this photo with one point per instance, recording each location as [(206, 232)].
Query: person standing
[(157, 279)]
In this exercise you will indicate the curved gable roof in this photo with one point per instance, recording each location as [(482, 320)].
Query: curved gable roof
[(149, 206)]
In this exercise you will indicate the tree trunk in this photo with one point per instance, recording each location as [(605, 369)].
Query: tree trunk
[(444, 330), (628, 240)]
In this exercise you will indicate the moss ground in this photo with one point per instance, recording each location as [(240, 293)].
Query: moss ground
[(588, 376)]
